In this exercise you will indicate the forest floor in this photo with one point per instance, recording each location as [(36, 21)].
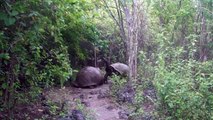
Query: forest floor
[(92, 104), (96, 102)]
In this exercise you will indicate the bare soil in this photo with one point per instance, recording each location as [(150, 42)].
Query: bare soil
[(96, 100), (97, 103)]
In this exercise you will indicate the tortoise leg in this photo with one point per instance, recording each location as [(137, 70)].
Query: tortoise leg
[(105, 78), (92, 87)]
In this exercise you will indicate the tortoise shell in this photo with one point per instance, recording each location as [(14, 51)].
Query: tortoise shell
[(89, 76), (120, 68)]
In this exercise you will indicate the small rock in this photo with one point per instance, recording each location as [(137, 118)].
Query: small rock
[(93, 92), (143, 117), (77, 115), (126, 94), (43, 103), (90, 97), (123, 115), (76, 91), (65, 118), (40, 110), (147, 117), (46, 111), (102, 95), (73, 115), (87, 104), (110, 108), (82, 96), (150, 92), (42, 97)]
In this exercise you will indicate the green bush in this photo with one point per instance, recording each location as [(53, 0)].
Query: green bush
[(185, 90), (118, 83), (32, 52)]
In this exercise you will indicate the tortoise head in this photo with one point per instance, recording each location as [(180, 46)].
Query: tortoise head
[(109, 70)]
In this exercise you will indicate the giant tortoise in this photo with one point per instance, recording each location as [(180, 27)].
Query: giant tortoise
[(116, 68), (89, 77)]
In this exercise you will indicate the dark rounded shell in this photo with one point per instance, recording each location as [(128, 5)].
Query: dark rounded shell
[(89, 76), (123, 69)]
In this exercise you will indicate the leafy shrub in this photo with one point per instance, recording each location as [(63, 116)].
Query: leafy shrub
[(89, 115), (32, 51), (117, 84), (184, 89)]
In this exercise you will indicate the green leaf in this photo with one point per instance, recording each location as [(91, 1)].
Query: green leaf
[(9, 21), (4, 56), (171, 105), (4, 85), (14, 13), (3, 16)]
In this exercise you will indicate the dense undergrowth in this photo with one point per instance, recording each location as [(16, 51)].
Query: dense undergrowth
[(42, 42), (38, 41)]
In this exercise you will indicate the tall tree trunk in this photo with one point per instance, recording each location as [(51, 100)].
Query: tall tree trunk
[(129, 20), (133, 24), (203, 40)]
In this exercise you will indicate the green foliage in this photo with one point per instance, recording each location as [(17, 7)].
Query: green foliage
[(88, 114), (80, 32), (146, 69), (54, 108), (33, 52), (138, 101), (118, 83), (184, 89), (39, 40), (4, 56), (180, 73), (8, 18)]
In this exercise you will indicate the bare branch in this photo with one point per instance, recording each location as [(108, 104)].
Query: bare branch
[(110, 12)]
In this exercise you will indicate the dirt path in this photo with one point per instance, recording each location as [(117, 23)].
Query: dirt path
[(101, 105), (96, 100)]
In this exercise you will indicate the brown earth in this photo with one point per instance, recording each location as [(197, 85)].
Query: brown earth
[(97, 103), (96, 100)]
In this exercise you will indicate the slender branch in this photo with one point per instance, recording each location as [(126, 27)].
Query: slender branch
[(110, 12)]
